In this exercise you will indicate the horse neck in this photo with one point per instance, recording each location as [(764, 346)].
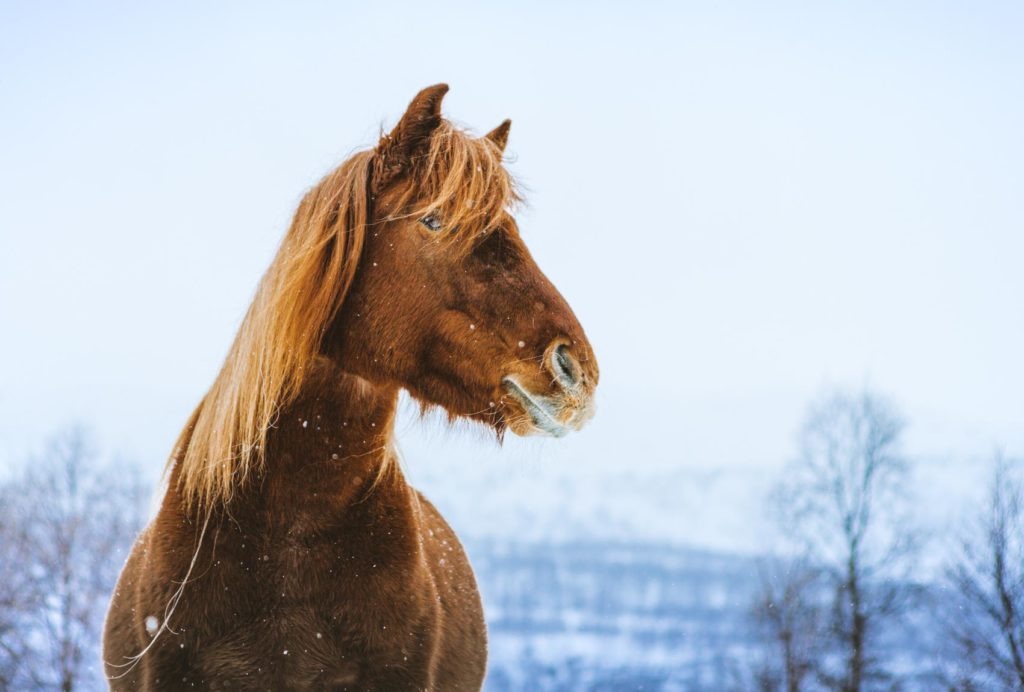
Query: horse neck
[(337, 406), (331, 459), (329, 465), (330, 447)]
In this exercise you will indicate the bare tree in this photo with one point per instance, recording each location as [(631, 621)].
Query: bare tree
[(17, 591), (788, 614), (67, 524), (844, 503), (985, 613)]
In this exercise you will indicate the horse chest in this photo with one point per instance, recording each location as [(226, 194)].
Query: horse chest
[(302, 578), (309, 613)]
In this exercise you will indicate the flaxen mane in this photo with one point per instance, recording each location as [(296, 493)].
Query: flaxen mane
[(305, 285)]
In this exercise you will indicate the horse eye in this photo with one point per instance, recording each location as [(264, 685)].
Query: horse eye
[(431, 222)]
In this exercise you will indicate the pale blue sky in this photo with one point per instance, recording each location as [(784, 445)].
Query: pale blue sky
[(743, 202)]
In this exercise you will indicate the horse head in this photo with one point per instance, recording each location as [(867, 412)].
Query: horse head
[(447, 301)]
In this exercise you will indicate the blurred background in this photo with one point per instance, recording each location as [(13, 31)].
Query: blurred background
[(793, 232)]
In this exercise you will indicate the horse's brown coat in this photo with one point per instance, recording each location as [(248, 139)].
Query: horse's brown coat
[(310, 562)]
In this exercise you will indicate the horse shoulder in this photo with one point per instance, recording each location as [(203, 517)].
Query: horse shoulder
[(462, 655)]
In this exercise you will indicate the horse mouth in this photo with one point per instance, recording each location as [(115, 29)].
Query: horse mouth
[(543, 414)]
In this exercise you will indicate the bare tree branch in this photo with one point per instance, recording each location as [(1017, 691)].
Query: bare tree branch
[(986, 585)]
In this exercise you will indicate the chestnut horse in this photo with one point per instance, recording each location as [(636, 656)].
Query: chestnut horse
[(289, 552)]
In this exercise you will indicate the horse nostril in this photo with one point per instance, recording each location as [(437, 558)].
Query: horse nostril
[(565, 366)]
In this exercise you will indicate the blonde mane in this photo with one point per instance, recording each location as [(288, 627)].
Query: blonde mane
[(459, 176)]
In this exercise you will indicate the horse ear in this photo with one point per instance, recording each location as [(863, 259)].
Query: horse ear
[(499, 135), (397, 149)]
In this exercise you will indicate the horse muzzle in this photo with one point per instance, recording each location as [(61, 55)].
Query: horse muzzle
[(566, 403)]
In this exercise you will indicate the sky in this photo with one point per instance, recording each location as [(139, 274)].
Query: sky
[(744, 203)]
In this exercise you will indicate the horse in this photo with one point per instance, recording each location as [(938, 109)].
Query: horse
[(289, 552)]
